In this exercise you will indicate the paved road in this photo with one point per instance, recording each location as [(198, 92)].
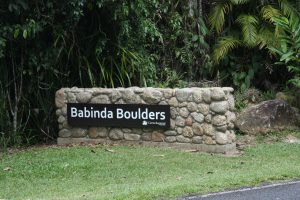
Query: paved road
[(280, 191)]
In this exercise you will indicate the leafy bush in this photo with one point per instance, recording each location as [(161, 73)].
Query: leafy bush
[(171, 79), (239, 100), (289, 49), (268, 95), (243, 98)]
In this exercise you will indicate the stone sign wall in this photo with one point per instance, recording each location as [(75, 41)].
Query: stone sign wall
[(201, 118)]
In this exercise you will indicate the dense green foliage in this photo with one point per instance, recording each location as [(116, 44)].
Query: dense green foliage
[(250, 39), (46, 45), (289, 48)]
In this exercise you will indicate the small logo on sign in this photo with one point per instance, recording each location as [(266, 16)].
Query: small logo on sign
[(145, 123)]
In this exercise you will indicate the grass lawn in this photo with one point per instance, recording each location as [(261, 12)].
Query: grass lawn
[(105, 172)]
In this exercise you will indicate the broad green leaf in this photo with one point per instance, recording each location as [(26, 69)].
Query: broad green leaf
[(195, 38), (287, 56), (251, 73), (16, 33), (25, 34)]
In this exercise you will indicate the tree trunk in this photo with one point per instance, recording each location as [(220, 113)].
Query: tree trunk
[(200, 8), (15, 119)]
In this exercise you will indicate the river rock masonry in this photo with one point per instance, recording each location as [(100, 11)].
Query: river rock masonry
[(200, 118)]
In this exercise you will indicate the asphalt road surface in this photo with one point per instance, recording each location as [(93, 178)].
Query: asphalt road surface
[(280, 191)]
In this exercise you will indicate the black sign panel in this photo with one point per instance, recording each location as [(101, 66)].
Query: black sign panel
[(119, 115)]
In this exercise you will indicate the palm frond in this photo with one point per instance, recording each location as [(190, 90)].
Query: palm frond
[(295, 25), (268, 11), (266, 37), (223, 47), (288, 8), (281, 22), (217, 15), (249, 28)]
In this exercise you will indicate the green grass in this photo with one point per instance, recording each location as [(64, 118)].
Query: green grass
[(139, 172)]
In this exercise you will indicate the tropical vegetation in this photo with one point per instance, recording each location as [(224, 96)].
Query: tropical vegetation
[(262, 33), (46, 45)]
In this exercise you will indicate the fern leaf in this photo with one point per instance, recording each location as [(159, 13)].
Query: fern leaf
[(268, 12), (282, 25), (288, 8), (249, 28), (266, 37), (217, 15), (297, 38), (223, 47)]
